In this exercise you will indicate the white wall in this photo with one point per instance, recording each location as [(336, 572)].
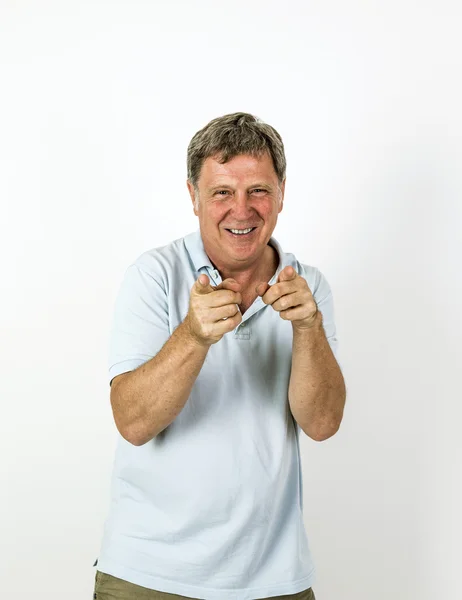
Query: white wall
[(98, 102)]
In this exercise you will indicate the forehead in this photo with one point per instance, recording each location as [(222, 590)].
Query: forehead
[(240, 168)]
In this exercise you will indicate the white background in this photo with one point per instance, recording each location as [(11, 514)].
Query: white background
[(98, 102)]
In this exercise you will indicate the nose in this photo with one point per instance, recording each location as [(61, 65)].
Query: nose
[(241, 208)]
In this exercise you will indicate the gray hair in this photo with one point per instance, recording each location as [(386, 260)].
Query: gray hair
[(231, 135)]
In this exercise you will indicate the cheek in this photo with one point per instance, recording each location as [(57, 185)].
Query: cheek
[(268, 209), (214, 213)]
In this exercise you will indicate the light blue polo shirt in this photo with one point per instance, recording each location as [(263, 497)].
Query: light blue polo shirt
[(212, 507)]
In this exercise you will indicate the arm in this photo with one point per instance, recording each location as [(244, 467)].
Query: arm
[(152, 370), (146, 400), (317, 388)]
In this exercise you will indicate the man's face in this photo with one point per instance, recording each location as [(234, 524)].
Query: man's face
[(240, 194)]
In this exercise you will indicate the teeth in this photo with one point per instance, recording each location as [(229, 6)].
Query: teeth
[(241, 231)]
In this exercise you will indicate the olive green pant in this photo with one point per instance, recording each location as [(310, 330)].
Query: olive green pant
[(108, 587)]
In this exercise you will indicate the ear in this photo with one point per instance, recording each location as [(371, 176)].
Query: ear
[(281, 202), (191, 193)]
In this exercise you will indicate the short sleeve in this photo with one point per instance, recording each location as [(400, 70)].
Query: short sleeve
[(322, 294), (140, 324), (325, 301)]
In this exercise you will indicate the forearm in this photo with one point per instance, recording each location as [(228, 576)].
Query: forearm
[(316, 389), (155, 393)]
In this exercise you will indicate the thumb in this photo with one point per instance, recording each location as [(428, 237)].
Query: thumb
[(203, 284), (287, 274)]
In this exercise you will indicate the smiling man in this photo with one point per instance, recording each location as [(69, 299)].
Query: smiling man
[(222, 351)]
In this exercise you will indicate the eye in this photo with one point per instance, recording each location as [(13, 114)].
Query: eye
[(259, 190), (220, 192)]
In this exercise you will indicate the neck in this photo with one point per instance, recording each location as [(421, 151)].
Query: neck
[(260, 271)]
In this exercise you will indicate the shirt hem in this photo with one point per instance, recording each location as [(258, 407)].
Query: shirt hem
[(197, 592)]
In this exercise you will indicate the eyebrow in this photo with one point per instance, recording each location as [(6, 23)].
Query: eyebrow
[(255, 185)]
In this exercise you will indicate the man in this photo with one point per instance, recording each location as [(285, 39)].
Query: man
[(222, 350)]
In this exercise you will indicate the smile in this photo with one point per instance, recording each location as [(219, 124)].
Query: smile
[(241, 232)]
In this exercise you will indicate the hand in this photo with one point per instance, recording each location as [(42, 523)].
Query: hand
[(292, 298), (213, 310)]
